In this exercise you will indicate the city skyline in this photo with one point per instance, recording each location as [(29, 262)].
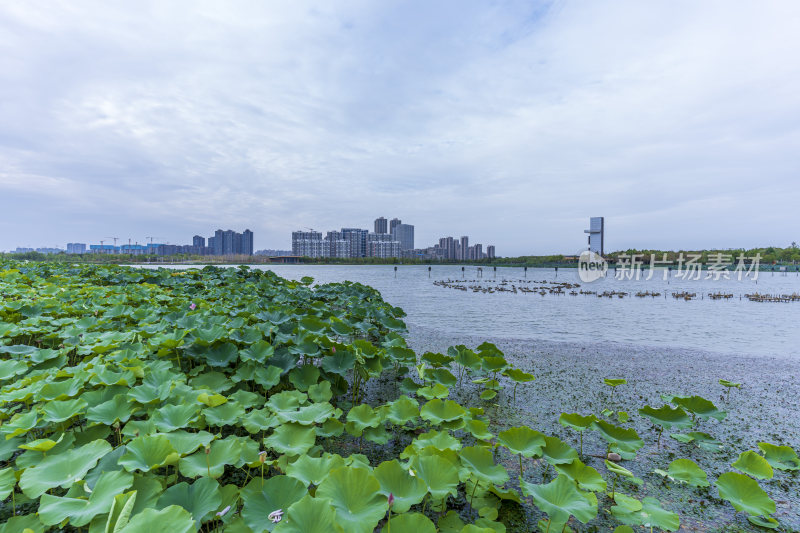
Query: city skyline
[(507, 122)]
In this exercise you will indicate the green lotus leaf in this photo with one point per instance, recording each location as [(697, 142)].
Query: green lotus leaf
[(402, 410), (201, 498), (768, 522), (625, 440), (61, 390), (558, 452), (744, 494), (378, 435), (247, 399), (438, 411), (55, 509), (259, 351), (410, 523), (310, 515), (209, 335), (686, 471), (226, 414), (409, 386), (148, 453), (315, 413), (780, 457), (64, 442), (61, 411), (40, 445), (360, 417), (518, 376), (439, 474), (155, 387), (7, 482), (754, 465), (330, 428), (9, 447), (561, 499), (576, 421), (441, 440), (303, 377), (211, 400), (20, 424), (259, 420), (185, 442), (174, 519), (406, 489), (493, 364), (339, 363), (623, 529), (666, 416), (223, 452), (614, 382), (62, 469), (472, 528), (478, 429), (729, 384), (311, 470), (291, 439), (214, 381), (171, 417), (436, 360), (650, 515), (622, 471), (441, 376), (340, 328), (478, 460), (699, 406), (11, 368), (437, 390), (705, 441), (17, 524), (522, 440), (355, 494), (488, 394), (585, 476), (306, 348), (120, 513), (320, 392), (286, 401)]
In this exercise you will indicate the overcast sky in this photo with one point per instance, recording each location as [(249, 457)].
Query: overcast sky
[(510, 122)]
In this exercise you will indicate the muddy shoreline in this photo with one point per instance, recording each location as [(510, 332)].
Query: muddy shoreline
[(570, 379)]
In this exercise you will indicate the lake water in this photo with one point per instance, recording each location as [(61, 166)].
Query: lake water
[(732, 325)]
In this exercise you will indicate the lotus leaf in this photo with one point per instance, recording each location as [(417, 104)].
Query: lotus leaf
[(624, 440), (311, 470), (585, 476), (24, 524), (223, 452), (361, 417), (488, 394), (148, 453), (700, 407), (517, 375), (258, 352), (558, 452), (666, 416), (561, 499), (171, 417), (780, 457), (7, 482), (304, 376), (437, 390), (39, 445), (339, 363), (478, 460), (355, 494), (211, 400), (259, 420), (286, 401), (20, 424), (754, 465), (330, 428), (62, 469), (120, 512), (173, 519), (493, 364), (522, 440), (310, 515), (438, 411), (410, 523), (402, 410), (685, 471), (320, 392), (201, 498), (744, 494), (436, 360), (226, 414), (768, 522), (406, 489), (55, 509), (315, 413), (185, 442), (441, 440), (291, 439), (439, 475), (576, 421), (479, 429), (650, 515)]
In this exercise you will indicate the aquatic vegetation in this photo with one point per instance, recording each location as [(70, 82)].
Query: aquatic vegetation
[(234, 400)]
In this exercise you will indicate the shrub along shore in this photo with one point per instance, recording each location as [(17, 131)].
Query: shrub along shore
[(226, 399)]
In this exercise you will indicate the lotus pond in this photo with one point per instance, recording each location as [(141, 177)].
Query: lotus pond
[(235, 400)]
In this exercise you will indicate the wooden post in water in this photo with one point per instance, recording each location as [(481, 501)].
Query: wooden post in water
[(462, 273), (429, 271), (526, 272), (395, 271), (495, 272)]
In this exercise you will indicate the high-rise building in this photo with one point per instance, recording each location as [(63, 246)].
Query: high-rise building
[(490, 252), (477, 252), (596, 233), (76, 248), (382, 245), (404, 234), (247, 242), (393, 223), (464, 248), (218, 242), (307, 243), (198, 241), (381, 225), (358, 241)]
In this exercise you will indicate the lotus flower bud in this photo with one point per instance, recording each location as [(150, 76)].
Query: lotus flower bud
[(391, 499), (208, 450)]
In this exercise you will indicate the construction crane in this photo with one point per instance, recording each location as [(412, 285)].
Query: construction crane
[(115, 240), (151, 239)]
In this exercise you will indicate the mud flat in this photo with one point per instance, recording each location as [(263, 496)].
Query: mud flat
[(570, 379)]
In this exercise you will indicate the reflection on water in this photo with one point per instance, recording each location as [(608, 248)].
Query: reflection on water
[(722, 325)]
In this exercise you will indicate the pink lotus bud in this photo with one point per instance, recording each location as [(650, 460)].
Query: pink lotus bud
[(193, 306), (391, 499)]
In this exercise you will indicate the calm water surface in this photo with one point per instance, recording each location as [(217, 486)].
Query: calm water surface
[(732, 325)]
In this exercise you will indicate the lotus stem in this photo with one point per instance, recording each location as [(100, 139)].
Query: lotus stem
[(389, 522), (549, 520), (520, 471), (13, 503), (581, 446), (473, 493)]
